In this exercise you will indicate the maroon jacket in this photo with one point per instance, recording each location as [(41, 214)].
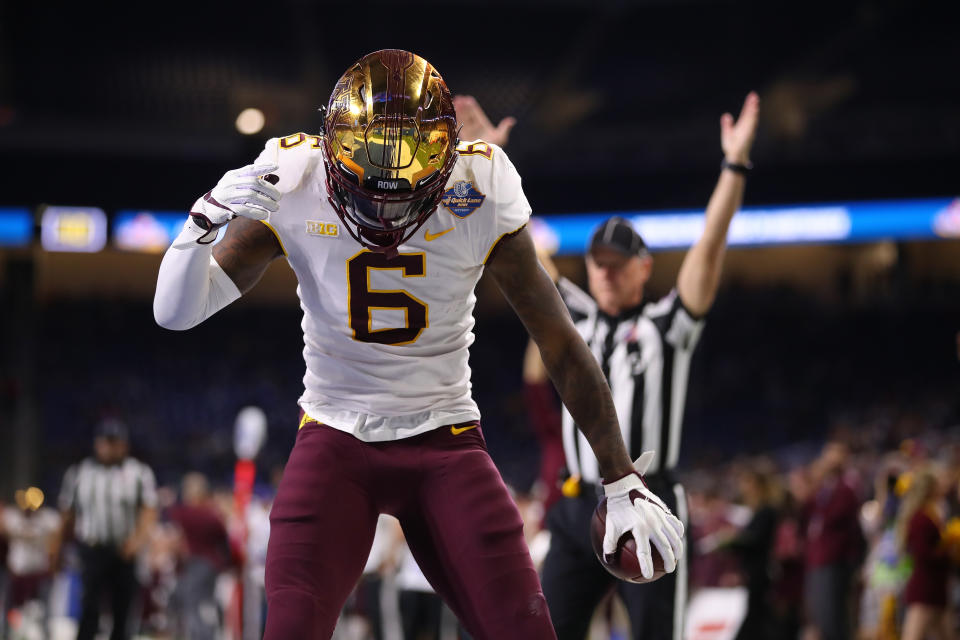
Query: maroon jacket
[(833, 529), (544, 416), (928, 581), (204, 532)]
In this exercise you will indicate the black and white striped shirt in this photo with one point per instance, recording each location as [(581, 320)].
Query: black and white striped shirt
[(107, 498), (645, 354)]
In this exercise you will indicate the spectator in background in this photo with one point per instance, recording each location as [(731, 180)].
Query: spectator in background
[(543, 414), (788, 556), (362, 615), (255, 558), (711, 519), (205, 552), (420, 607), (835, 544), (918, 531), (422, 611), (158, 571), (31, 529), (754, 545), (886, 569), (108, 503)]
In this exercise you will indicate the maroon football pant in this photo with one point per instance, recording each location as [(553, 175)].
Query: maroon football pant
[(458, 518)]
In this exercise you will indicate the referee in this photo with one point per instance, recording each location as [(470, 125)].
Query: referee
[(109, 501), (644, 348)]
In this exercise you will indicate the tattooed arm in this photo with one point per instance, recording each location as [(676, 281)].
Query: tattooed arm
[(247, 249), (195, 282), (571, 366)]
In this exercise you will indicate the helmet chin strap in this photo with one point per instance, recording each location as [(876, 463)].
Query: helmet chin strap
[(367, 237), (372, 237), (390, 250)]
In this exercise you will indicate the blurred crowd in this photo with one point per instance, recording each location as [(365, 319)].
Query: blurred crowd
[(197, 562), (856, 540), (798, 531), (860, 542)]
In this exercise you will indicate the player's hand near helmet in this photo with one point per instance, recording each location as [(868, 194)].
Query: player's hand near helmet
[(634, 509), (248, 192), (475, 125), (736, 137)]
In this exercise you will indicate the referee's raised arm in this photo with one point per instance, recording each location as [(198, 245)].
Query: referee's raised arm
[(700, 272)]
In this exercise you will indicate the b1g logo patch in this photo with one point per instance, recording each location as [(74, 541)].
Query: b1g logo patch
[(322, 229), (462, 199)]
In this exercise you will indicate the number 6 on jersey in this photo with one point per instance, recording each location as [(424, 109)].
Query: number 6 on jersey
[(362, 300)]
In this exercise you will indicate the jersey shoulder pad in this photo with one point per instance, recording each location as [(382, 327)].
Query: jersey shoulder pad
[(483, 164), (296, 156), (479, 148)]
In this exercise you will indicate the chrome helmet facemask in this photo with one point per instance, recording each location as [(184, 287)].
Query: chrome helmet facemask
[(390, 137)]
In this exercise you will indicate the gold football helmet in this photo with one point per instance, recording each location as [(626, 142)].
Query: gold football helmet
[(390, 139)]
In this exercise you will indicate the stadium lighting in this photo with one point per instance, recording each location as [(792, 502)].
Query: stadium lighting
[(917, 219), (250, 121), (73, 229)]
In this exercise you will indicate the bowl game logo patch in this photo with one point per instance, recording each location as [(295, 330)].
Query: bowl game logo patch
[(462, 199)]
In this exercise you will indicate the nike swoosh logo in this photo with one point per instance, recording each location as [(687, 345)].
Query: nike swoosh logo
[(458, 430), (433, 236)]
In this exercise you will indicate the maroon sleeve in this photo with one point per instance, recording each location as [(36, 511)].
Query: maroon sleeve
[(543, 409), (543, 414), (174, 513), (840, 507), (923, 538)]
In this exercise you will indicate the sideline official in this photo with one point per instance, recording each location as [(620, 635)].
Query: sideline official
[(108, 502)]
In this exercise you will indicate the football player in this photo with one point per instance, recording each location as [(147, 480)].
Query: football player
[(389, 222)]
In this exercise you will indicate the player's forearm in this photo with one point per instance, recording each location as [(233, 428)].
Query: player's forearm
[(191, 285), (585, 393), (700, 273), (569, 363)]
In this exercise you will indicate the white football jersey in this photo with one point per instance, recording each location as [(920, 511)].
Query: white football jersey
[(386, 342)]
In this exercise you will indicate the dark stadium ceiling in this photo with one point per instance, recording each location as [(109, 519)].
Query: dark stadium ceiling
[(617, 102)]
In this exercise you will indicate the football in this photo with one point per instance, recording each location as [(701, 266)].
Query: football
[(624, 563)]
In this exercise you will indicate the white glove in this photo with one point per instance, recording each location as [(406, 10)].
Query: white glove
[(634, 509), (246, 192)]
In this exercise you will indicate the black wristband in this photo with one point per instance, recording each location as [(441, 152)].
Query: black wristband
[(202, 221), (742, 169), (204, 224)]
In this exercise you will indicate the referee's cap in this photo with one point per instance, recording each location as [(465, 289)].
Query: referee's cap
[(112, 428), (617, 233)]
